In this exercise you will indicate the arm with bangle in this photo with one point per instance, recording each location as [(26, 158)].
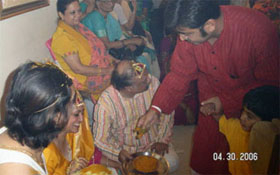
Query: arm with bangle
[(134, 41), (131, 20), (73, 61), (151, 117), (155, 108)]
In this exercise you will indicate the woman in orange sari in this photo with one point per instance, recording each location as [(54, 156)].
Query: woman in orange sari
[(79, 52)]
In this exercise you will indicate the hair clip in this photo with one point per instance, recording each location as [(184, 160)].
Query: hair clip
[(79, 99)]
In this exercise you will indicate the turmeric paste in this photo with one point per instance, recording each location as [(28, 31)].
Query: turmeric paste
[(145, 164)]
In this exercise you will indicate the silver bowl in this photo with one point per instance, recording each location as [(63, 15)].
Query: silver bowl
[(162, 168)]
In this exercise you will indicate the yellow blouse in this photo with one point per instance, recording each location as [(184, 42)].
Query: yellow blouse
[(57, 164)]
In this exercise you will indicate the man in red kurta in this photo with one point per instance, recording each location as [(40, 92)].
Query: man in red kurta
[(229, 50)]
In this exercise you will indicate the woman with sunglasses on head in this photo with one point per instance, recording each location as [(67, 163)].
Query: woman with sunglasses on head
[(37, 109)]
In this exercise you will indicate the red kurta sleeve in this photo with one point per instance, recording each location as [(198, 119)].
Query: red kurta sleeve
[(245, 56), (176, 83)]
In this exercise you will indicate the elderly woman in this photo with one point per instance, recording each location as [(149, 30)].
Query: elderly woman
[(79, 52), (109, 30), (37, 108)]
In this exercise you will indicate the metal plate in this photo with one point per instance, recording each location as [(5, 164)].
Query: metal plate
[(162, 168)]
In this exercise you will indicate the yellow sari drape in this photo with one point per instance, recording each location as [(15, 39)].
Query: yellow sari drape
[(67, 41), (81, 144), (92, 52)]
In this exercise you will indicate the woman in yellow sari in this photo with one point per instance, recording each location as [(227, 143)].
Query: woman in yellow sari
[(73, 151), (79, 52)]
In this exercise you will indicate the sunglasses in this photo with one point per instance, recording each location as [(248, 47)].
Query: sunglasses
[(139, 68)]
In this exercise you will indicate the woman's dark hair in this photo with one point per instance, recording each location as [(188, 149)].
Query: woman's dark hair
[(61, 5), (263, 101), (36, 104), (190, 13), (122, 80)]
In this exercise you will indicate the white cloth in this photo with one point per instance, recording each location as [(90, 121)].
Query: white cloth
[(12, 156), (120, 14), (172, 159)]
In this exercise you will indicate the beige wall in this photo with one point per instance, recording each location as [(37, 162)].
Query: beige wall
[(23, 38)]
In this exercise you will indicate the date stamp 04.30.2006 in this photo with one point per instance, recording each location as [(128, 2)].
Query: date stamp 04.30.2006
[(232, 156)]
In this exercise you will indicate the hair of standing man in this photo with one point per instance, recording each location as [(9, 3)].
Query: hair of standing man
[(190, 13)]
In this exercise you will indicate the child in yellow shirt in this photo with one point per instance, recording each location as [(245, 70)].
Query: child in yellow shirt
[(259, 104)]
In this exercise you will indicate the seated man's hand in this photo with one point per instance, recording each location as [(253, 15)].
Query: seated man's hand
[(160, 148), (124, 156)]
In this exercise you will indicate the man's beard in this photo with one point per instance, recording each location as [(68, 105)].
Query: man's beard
[(202, 31)]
